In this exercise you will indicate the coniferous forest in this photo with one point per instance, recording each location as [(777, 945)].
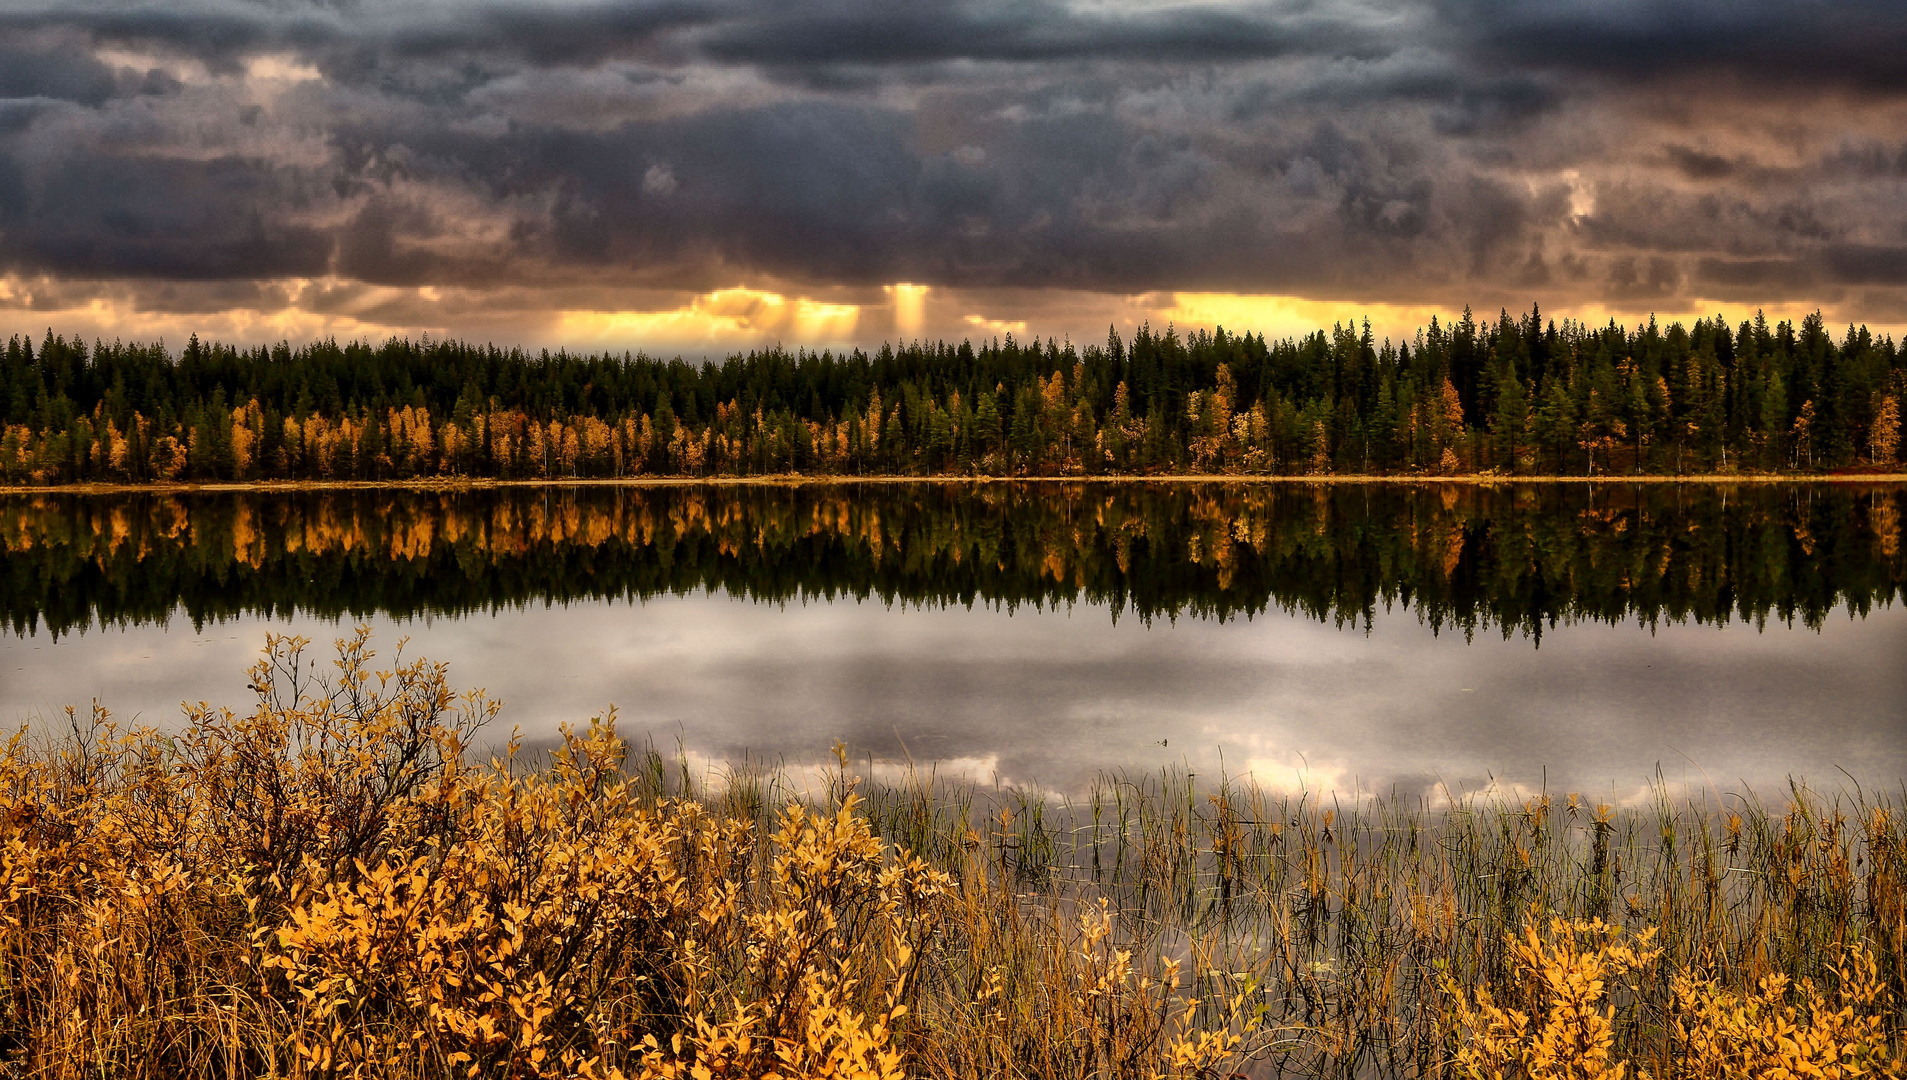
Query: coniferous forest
[(1517, 396)]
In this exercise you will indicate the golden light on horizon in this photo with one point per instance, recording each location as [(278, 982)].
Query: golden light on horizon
[(1016, 327), (1686, 314), (740, 318), (30, 305), (1289, 316), (737, 317)]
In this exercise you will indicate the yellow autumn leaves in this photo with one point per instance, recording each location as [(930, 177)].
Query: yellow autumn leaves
[(332, 885), (328, 887), (1572, 975)]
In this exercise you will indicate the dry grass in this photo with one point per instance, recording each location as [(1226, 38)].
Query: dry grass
[(330, 885)]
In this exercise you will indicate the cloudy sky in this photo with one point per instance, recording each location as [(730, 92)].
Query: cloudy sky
[(701, 175)]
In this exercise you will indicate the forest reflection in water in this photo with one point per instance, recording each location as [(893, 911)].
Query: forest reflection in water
[(1512, 558), (1038, 632)]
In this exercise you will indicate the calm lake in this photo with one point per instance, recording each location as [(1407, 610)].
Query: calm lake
[(1345, 636)]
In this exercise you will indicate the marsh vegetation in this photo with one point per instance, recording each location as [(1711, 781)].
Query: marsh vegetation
[(332, 883)]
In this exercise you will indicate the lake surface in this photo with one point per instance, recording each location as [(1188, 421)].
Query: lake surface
[(1346, 636)]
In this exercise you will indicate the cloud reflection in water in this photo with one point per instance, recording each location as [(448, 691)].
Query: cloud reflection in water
[(1049, 697)]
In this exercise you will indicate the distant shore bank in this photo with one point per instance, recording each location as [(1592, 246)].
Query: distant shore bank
[(800, 479)]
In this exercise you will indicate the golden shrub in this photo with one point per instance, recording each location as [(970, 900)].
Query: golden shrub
[(329, 884), (1780, 1030)]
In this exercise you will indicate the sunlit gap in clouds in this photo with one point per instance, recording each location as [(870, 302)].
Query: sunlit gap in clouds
[(297, 310), (732, 319), (726, 318), (910, 308)]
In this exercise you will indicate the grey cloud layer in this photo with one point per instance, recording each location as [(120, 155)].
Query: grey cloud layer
[(1434, 151)]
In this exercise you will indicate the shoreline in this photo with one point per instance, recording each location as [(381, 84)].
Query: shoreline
[(804, 480)]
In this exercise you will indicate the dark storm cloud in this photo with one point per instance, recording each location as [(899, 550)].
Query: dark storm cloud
[(1414, 150), (107, 216), (1868, 264), (798, 187), (1697, 165), (56, 74), (878, 32), (1494, 106), (574, 34), (1753, 273), (1855, 44), (350, 39)]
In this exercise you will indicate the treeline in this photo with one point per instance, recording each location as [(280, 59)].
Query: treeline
[(1509, 558), (1516, 396)]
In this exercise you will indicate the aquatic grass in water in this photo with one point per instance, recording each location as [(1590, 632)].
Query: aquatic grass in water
[(332, 885)]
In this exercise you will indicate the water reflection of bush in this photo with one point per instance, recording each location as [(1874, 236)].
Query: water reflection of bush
[(1510, 558)]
